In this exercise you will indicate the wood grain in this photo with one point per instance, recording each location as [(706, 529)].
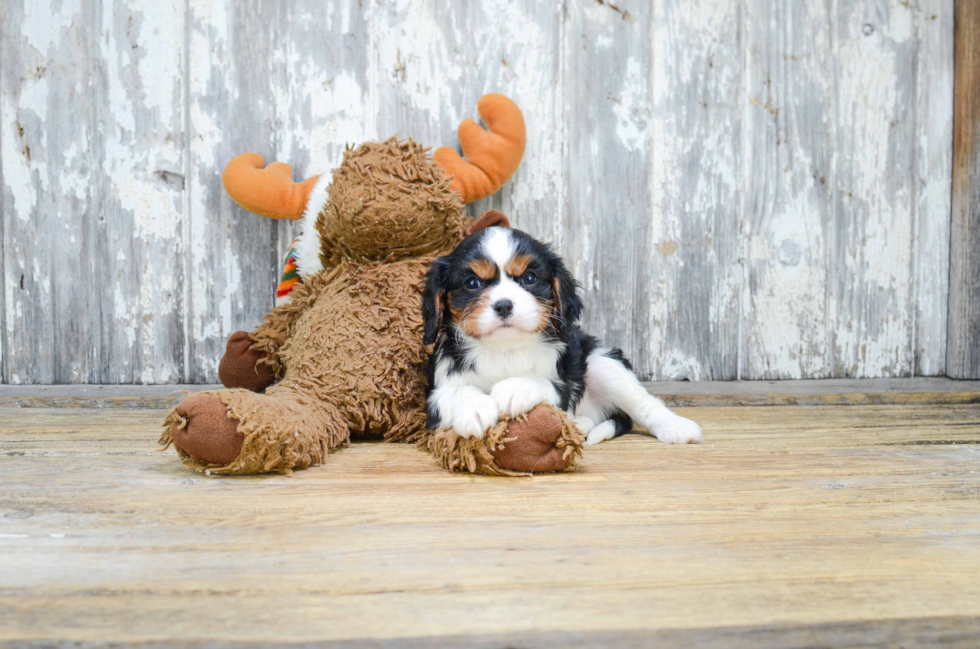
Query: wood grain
[(786, 516), (955, 632), (932, 207), (93, 184), (871, 260), (789, 212), (836, 392), (963, 341), (688, 258)]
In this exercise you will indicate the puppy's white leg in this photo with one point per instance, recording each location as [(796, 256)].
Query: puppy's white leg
[(609, 382), (467, 410), (587, 414)]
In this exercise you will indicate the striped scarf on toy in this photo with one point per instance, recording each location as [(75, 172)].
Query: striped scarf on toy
[(290, 275)]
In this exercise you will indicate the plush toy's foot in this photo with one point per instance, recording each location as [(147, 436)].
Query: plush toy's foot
[(203, 430), (530, 444), (240, 366), (542, 441)]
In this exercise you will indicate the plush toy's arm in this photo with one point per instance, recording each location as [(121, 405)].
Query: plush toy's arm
[(275, 330), (277, 327)]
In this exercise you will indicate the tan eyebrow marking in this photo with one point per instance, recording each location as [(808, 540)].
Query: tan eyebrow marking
[(484, 269), (518, 265)]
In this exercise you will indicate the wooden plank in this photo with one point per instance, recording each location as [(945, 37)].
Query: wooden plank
[(433, 63), (778, 521), (607, 98), (686, 246), (871, 259), (139, 267), (92, 193), (97, 396), (919, 633), (810, 392), (232, 258), (817, 392), (954, 632), (933, 191), (41, 283), (789, 213), (3, 204), (963, 339)]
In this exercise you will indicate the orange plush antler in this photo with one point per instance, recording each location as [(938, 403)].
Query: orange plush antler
[(492, 156), (270, 191)]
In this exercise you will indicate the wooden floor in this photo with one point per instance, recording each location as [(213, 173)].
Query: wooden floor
[(795, 526)]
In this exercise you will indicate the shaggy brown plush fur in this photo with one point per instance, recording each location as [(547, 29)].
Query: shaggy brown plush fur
[(347, 349)]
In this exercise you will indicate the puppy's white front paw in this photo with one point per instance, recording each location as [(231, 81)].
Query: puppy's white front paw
[(678, 430), (474, 417), (517, 395)]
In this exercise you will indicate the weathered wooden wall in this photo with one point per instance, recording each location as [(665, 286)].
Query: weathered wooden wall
[(746, 188), (963, 350)]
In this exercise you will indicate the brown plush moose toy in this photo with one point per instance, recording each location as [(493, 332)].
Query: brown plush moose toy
[(344, 355)]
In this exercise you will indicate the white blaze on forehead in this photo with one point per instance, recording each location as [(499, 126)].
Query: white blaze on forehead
[(498, 246)]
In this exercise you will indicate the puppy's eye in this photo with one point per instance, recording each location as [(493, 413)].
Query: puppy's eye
[(529, 278), (473, 283)]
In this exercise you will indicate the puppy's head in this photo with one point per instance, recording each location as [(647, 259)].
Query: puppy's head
[(499, 284)]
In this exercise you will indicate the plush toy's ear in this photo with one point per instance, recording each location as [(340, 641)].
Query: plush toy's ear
[(434, 299), (268, 192), (489, 219), (568, 304), (491, 156)]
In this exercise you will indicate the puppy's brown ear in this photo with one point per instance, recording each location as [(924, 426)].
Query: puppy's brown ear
[(488, 219)]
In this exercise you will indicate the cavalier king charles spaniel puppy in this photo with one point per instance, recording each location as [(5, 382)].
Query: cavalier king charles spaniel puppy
[(503, 313)]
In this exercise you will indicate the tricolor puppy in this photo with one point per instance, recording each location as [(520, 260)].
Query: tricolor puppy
[(503, 313)]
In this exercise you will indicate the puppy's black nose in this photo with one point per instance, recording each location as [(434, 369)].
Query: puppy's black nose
[(503, 308)]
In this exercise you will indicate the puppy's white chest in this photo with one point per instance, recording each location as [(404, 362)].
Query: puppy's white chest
[(492, 365)]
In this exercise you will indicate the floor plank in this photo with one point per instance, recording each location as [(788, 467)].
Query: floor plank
[(787, 519), (922, 390)]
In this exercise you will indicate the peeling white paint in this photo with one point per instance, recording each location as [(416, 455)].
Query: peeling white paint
[(44, 21), (677, 366), (632, 109), (415, 53)]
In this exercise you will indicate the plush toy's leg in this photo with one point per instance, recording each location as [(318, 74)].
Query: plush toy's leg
[(241, 432), (545, 440), (241, 367)]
